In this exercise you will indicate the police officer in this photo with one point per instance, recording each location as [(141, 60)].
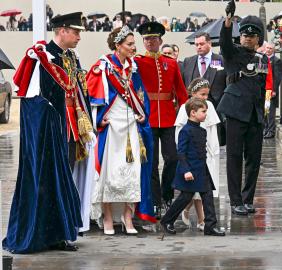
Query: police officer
[(243, 106), (162, 80)]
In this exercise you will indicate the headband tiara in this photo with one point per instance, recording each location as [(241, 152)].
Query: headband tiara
[(122, 34), (199, 85)]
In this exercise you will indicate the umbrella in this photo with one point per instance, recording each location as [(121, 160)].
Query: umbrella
[(197, 14), (135, 19), (125, 14), (10, 12), (98, 15), (5, 62), (213, 29)]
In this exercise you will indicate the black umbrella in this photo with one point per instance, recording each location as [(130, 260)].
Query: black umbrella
[(98, 15), (197, 14), (5, 63), (135, 18), (213, 29)]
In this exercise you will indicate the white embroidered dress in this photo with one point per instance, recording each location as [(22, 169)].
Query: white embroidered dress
[(119, 181)]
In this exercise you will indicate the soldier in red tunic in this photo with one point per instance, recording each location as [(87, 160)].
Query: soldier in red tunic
[(162, 80)]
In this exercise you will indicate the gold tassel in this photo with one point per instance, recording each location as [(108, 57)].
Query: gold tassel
[(84, 125), (143, 154), (129, 154), (81, 152)]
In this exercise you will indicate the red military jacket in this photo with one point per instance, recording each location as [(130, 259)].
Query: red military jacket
[(162, 80)]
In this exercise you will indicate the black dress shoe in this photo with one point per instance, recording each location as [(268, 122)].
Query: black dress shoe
[(214, 232), (239, 210), (169, 228), (250, 208), (64, 246)]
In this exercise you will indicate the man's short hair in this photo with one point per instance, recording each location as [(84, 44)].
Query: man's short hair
[(203, 34), (195, 104)]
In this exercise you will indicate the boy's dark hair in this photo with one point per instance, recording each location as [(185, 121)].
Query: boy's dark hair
[(195, 104), (197, 84)]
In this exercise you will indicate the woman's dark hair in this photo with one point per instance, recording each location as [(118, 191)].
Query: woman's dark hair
[(112, 36)]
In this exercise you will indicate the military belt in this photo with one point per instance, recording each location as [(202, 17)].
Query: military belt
[(160, 96)]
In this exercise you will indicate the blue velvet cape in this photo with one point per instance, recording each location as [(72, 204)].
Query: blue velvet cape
[(46, 205)]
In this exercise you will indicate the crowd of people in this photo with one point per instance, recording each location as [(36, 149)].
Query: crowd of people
[(97, 136), (96, 23)]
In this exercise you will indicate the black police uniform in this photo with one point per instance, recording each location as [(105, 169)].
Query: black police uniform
[(243, 106)]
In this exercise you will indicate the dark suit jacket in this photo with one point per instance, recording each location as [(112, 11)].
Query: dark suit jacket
[(276, 64), (191, 151), (216, 78)]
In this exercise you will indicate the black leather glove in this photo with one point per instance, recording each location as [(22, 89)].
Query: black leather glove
[(230, 9)]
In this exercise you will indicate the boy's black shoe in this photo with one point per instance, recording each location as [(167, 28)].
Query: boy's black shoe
[(250, 208), (239, 210), (214, 232), (169, 228)]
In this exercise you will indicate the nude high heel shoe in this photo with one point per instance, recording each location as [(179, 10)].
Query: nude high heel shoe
[(126, 230), (109, 232)]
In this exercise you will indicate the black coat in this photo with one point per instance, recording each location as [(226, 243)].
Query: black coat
[(192, 155), (216, 78), (246, 94)]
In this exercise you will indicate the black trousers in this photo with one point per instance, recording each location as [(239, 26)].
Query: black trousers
[(269, 124), (185, 198), (168, 149), (243, 140)]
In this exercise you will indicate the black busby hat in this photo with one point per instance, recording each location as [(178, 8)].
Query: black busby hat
[(151, 29), (71, 20)]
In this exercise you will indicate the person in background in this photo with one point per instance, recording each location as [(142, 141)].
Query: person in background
[(273, 81), (167, 50), (188, 25), (107, 25), (22, 24), (117, 22), (94, 25)]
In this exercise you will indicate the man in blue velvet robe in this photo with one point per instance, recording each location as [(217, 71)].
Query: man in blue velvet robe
[(45, 211)]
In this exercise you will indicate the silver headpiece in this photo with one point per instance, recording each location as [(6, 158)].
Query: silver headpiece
[(199, 85), (122, 34)]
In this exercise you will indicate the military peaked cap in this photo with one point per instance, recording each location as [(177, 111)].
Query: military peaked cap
[(72, 20), (151, 29), (252, 25)]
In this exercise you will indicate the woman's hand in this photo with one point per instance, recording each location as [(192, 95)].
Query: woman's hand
[(140, 119), (105, 121)]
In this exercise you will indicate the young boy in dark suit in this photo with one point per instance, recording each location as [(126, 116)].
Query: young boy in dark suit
[(192, 174)]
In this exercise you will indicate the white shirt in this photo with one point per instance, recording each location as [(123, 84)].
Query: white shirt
[(207, 58)]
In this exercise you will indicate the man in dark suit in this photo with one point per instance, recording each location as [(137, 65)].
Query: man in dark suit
[(243, 106), (272, 84), (208, 65)]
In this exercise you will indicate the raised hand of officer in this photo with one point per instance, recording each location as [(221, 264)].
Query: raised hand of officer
[(230, 11)]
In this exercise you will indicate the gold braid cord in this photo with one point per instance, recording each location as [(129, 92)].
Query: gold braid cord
[(83, 122), (143, 152)]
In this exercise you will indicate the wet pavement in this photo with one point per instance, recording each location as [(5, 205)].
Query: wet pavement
[(253, 242)]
